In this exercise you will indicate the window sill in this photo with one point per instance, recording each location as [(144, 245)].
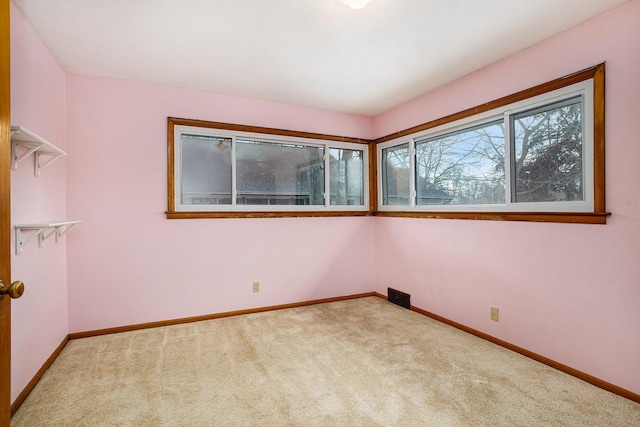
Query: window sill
[(560, 217), (279, 214)]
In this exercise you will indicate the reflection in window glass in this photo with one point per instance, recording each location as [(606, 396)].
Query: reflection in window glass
[(462, 168), (206, 170), (396, 175), (347, 186), (279, 174), (547, 143)]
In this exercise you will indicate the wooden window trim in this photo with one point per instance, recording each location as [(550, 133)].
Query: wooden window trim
[(560, 217), (598, 216), (171, 212), (257, 214)]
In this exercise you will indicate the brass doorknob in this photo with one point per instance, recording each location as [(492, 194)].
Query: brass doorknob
[(14, 291)]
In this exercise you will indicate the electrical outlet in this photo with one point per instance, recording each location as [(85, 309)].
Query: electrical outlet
[(256, 286), (494, 313)]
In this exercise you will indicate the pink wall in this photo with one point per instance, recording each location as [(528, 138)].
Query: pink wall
[(568, 292), (128, 264), (39, 318)]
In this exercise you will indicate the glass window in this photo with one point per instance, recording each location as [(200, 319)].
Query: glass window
[(532, 155), (548, 153), (462, 168), (206, 170), (279, 174), (347, 176), (217, 168), (396, 175)]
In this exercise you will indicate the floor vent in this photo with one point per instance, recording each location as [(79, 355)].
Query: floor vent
[(399, 298)]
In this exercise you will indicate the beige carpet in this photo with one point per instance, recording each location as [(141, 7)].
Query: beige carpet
[(362, 362)]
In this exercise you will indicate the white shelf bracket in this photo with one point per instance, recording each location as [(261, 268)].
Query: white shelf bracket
[(17, 158), (43, 236), (61, 230), (42, 231), (21, 242), (32, 144), (39, 166)]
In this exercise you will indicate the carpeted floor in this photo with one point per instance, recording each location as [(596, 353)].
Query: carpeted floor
[(362, 362)]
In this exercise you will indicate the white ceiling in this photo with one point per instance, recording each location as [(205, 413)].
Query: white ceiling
[(317, 53)]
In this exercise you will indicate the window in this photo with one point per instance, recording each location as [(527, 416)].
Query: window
[(537, 155), (464, 167), (548, 148), (220, 168), (396, 175), (346, 168)]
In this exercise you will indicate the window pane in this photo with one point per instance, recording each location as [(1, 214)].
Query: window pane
[(395, 175), (547, 146), (206, 170), (347, 186), (279, 174), (461, 168)]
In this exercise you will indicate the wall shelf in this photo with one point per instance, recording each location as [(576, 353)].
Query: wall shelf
[(41, 231), (24, 143)]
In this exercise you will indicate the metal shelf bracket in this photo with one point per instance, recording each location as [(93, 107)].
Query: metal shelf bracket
[(32, 144), (41, 231)]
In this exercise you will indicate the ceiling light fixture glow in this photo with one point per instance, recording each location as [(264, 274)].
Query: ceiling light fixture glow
[(356, 4)]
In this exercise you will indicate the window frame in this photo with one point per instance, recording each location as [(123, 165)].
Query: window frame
[(503, 114), (371, 167), (589, 82), (177, 127)]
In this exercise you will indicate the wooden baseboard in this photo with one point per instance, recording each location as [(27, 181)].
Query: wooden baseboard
[(537, 357), (138, 326), (29, 388), (542, 359)]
